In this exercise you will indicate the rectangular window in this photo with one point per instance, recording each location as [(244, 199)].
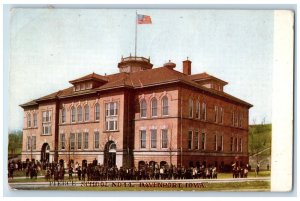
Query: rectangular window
[(196, 139), (232, 118), (96, 140), (203, 141), (34, 120), (241, 145), (231, 144), (28, 143), (46, 123), (143, 139), (153, 139), (190, 140), (164, 138), (237, 119), (72, 141), (236, 144), (216, 142), (62, 141), (216, 113), (111, 121), (86, 140), (34, 142), (79, 140)]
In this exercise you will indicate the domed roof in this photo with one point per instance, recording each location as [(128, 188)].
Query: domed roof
[(170, 65)]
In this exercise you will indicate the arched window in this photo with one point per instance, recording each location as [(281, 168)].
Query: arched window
[(73, 114), (197, 109), (143, 108), (203, 111), (190, 108), (29, 120), (165, 106), (79, 113), (97, 112), (35, 120), (63, 115), (154, 107), (86, 113)]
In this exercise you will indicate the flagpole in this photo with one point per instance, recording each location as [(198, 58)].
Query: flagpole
[(136, 21)]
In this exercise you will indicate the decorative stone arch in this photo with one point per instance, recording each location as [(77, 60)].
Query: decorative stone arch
[(45, 152), (110, 150)]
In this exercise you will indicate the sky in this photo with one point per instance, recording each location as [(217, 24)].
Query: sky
[(50, 47)]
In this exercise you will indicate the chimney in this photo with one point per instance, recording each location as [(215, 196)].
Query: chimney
[(187, 67)]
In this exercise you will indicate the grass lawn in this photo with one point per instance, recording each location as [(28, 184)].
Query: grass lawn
[(228, 186)]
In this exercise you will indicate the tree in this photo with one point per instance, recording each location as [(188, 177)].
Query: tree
[(15, 142)]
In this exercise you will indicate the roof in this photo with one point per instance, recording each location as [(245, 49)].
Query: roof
[(140, 79), (92, 76), (204, 76)]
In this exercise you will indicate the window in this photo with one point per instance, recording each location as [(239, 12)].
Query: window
[(165, 106), (35, 120), (77, 87), (190, 140), (231, 144), (111, 109), (197, 115), (96, 140), (33, 142), (28, 142), (190, 108), (29, 120), (97, 112), (79, 140), (62, 141), (46, 122), (237, 119), (153, 138), (241, 145), (216, 113), (240, 120), (73, 114), (143, 139), (143, 108), (154, 107), (203, 141), (79, 113), (203, 111), (111, 120), (221, 115), (196, 139), (232, 118), (236, 144), (164, 138), (63, 115), (216, 142), (222, 143), (86, 140), (72, 141), (86, 113)]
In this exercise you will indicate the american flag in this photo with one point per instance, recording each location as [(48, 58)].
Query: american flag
[(144, 19)]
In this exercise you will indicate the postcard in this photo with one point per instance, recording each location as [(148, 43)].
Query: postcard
[(150, 100)]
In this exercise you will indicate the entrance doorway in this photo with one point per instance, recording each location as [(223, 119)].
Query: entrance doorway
[(45, 152), (110, 154)]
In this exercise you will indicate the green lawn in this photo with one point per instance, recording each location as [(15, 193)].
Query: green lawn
[(228, 186)]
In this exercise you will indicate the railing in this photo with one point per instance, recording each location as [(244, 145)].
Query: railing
[(133, 58)]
